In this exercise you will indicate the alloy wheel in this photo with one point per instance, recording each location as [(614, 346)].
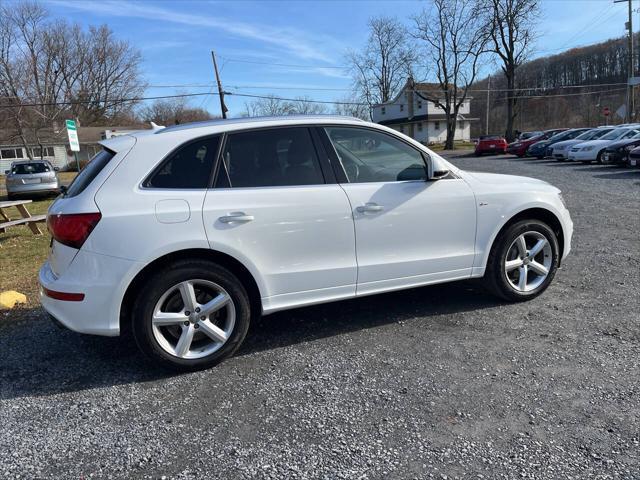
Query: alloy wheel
[(528, 262), (193, 319)]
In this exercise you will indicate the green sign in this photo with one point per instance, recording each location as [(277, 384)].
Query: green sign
[(72, 132)]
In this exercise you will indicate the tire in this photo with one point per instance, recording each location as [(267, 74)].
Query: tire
[(163, 294), (496, 278), (539, 157), (599, 158)]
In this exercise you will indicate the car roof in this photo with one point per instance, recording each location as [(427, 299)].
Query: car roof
[(21, 162), (272, 120)]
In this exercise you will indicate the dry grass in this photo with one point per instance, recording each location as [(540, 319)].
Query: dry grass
[(21, 252)]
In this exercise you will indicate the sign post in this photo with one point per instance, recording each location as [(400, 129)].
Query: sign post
[(74, 143), (606, 112)]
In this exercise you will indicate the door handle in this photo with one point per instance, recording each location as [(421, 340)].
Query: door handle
[(234, 217), (369, 207)]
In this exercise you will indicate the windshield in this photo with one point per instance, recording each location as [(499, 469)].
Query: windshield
[(526, 135), (490, 137), (89, 172), (599, 133), (561, 136), (29, 168), (614, 134)]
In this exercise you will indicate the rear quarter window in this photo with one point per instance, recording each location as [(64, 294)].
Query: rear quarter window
[(190, 166), (89, 173)]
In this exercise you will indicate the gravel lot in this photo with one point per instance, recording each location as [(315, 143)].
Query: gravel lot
[(437, 382)]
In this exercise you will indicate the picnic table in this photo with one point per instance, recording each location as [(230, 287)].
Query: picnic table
[(27, 219)]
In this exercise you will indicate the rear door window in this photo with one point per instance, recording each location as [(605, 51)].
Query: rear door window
[(188, 167), (270, 157), (89, 173)]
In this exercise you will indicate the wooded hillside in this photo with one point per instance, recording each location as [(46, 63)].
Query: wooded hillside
[(570, 89)]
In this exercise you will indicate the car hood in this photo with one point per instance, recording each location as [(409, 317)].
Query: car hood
[(595, 143), (540, 144), (511, 181), (568, 143), (623, 143)]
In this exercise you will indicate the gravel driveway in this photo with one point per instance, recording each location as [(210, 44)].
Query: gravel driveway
[(437, 382)]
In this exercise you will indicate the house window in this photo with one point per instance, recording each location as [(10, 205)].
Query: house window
[(419, 104), (47, 152), (420, 127), (383, 110), (437, 125), (11, 153), (402, 107), (401, 128)]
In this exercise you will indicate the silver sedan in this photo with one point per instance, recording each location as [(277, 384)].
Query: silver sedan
[(31, 177)]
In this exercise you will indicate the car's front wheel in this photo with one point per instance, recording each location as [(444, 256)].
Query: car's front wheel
[(523, 261), (191, 315)]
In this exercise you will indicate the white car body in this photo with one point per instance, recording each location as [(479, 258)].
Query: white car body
[(304, 245), (560, 150), (588, 151)]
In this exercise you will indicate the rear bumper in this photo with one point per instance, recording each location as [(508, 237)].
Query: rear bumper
[(101, 279), (33, 188)]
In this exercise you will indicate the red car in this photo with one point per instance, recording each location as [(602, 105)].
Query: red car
[(519, 147), (490, 144)]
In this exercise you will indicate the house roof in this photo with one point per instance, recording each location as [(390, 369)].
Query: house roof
[(427, 89), (440, 117), (49, 136)]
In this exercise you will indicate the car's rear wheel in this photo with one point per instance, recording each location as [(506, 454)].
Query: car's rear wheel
[(523, 261), (191, 315)]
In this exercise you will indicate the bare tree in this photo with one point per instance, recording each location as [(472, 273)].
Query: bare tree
[(53, 69), (352, 107), (512, 24), (273, 106), (381, 69), (455, 36), (173, 111), (305, 106)]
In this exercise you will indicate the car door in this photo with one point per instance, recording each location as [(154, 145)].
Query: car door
[(276, 208), (409, 230)]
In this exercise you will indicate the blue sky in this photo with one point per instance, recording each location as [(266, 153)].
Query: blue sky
[(176, 37)]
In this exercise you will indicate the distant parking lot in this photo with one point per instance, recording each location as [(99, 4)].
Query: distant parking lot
[(442, 380)]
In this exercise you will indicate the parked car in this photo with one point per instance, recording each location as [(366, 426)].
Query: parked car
[(591, 150), (528, 135), (542, 148), (560, 151), (28, 177), (187, 233), (633, 159), (520, 147), (490, 144), (618, 152)]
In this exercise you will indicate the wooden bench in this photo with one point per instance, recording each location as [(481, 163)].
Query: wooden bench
[(31, 221), (26, 219)]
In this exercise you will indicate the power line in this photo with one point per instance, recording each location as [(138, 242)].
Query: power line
[(266, 97)]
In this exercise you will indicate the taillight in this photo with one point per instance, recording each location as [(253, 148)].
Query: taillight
[(72, 229)]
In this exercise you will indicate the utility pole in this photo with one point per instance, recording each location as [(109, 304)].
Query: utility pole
[(630, 100), (223, 107), (487, 119)]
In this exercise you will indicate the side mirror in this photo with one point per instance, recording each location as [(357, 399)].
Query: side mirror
[(7, 172), (56, 169), (63, 189), (439, 174)]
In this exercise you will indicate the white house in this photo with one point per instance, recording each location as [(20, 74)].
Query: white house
[(412, 114)]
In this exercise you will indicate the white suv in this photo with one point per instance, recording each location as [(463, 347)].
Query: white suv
[(185, 233)]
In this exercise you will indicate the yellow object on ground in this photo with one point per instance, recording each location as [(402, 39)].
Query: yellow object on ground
[(11, 298)]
